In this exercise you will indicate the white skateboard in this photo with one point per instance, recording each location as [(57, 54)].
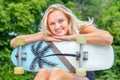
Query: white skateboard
[(67, 55)]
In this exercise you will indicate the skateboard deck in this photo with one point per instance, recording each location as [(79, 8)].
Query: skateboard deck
[(67, 55)]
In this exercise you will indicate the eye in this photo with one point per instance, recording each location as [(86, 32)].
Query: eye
[(52, 24), (60, 21)]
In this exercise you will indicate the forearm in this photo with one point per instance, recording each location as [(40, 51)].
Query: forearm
[(34, 37), (29, 38), (98, 38)]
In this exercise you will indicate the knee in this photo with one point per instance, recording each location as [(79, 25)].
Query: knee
[(56, 70), (43, 74), (44, 71)]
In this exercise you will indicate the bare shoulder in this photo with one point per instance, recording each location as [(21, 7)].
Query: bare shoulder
[(89, 29)]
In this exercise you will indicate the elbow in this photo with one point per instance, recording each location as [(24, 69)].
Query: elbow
[(109, 40), (12, 43)]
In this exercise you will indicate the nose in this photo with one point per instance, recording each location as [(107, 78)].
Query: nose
[(57, 25)]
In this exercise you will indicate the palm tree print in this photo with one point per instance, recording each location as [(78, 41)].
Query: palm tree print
[(39, 54)]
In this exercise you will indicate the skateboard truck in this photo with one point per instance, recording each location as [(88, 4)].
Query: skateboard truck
[(84, 56), (23, 56), (19, 42)]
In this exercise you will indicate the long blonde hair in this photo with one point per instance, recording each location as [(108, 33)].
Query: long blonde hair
[(74, 23)]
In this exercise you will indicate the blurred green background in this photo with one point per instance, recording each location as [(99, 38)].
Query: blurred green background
[(23, 17)]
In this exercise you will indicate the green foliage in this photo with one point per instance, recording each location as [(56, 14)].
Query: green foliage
[(91, 8), (110, 20), (72, 6), (21, 16)]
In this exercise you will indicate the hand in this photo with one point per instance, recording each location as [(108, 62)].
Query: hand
[(66, 37), (52, 38)]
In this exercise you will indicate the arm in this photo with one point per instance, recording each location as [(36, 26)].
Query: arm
[(93, 36), (28, 38), (97, 36), (33, 38)]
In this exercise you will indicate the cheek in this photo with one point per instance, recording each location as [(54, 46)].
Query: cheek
[(66, 27), (51, 29)]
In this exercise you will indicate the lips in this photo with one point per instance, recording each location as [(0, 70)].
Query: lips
[(59, 30)]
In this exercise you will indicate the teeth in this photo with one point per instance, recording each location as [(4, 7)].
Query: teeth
[(59, 30)]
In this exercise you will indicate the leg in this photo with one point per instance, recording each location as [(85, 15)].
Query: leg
[(43, 74), (90, 75)]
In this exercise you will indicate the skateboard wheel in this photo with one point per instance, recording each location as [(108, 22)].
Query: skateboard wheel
[(18, 70), (19, 41), (81, 40), (81, 71)]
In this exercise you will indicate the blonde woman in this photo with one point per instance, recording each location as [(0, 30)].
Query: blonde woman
[(59, 24)]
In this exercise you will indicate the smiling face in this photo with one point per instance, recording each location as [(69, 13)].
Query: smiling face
[(58, 23)]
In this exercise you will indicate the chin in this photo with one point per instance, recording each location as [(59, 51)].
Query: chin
[(60, 34)]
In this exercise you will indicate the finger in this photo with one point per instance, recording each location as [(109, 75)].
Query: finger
[(60, 37), (53, 39), (65, 38), (57, 40)]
